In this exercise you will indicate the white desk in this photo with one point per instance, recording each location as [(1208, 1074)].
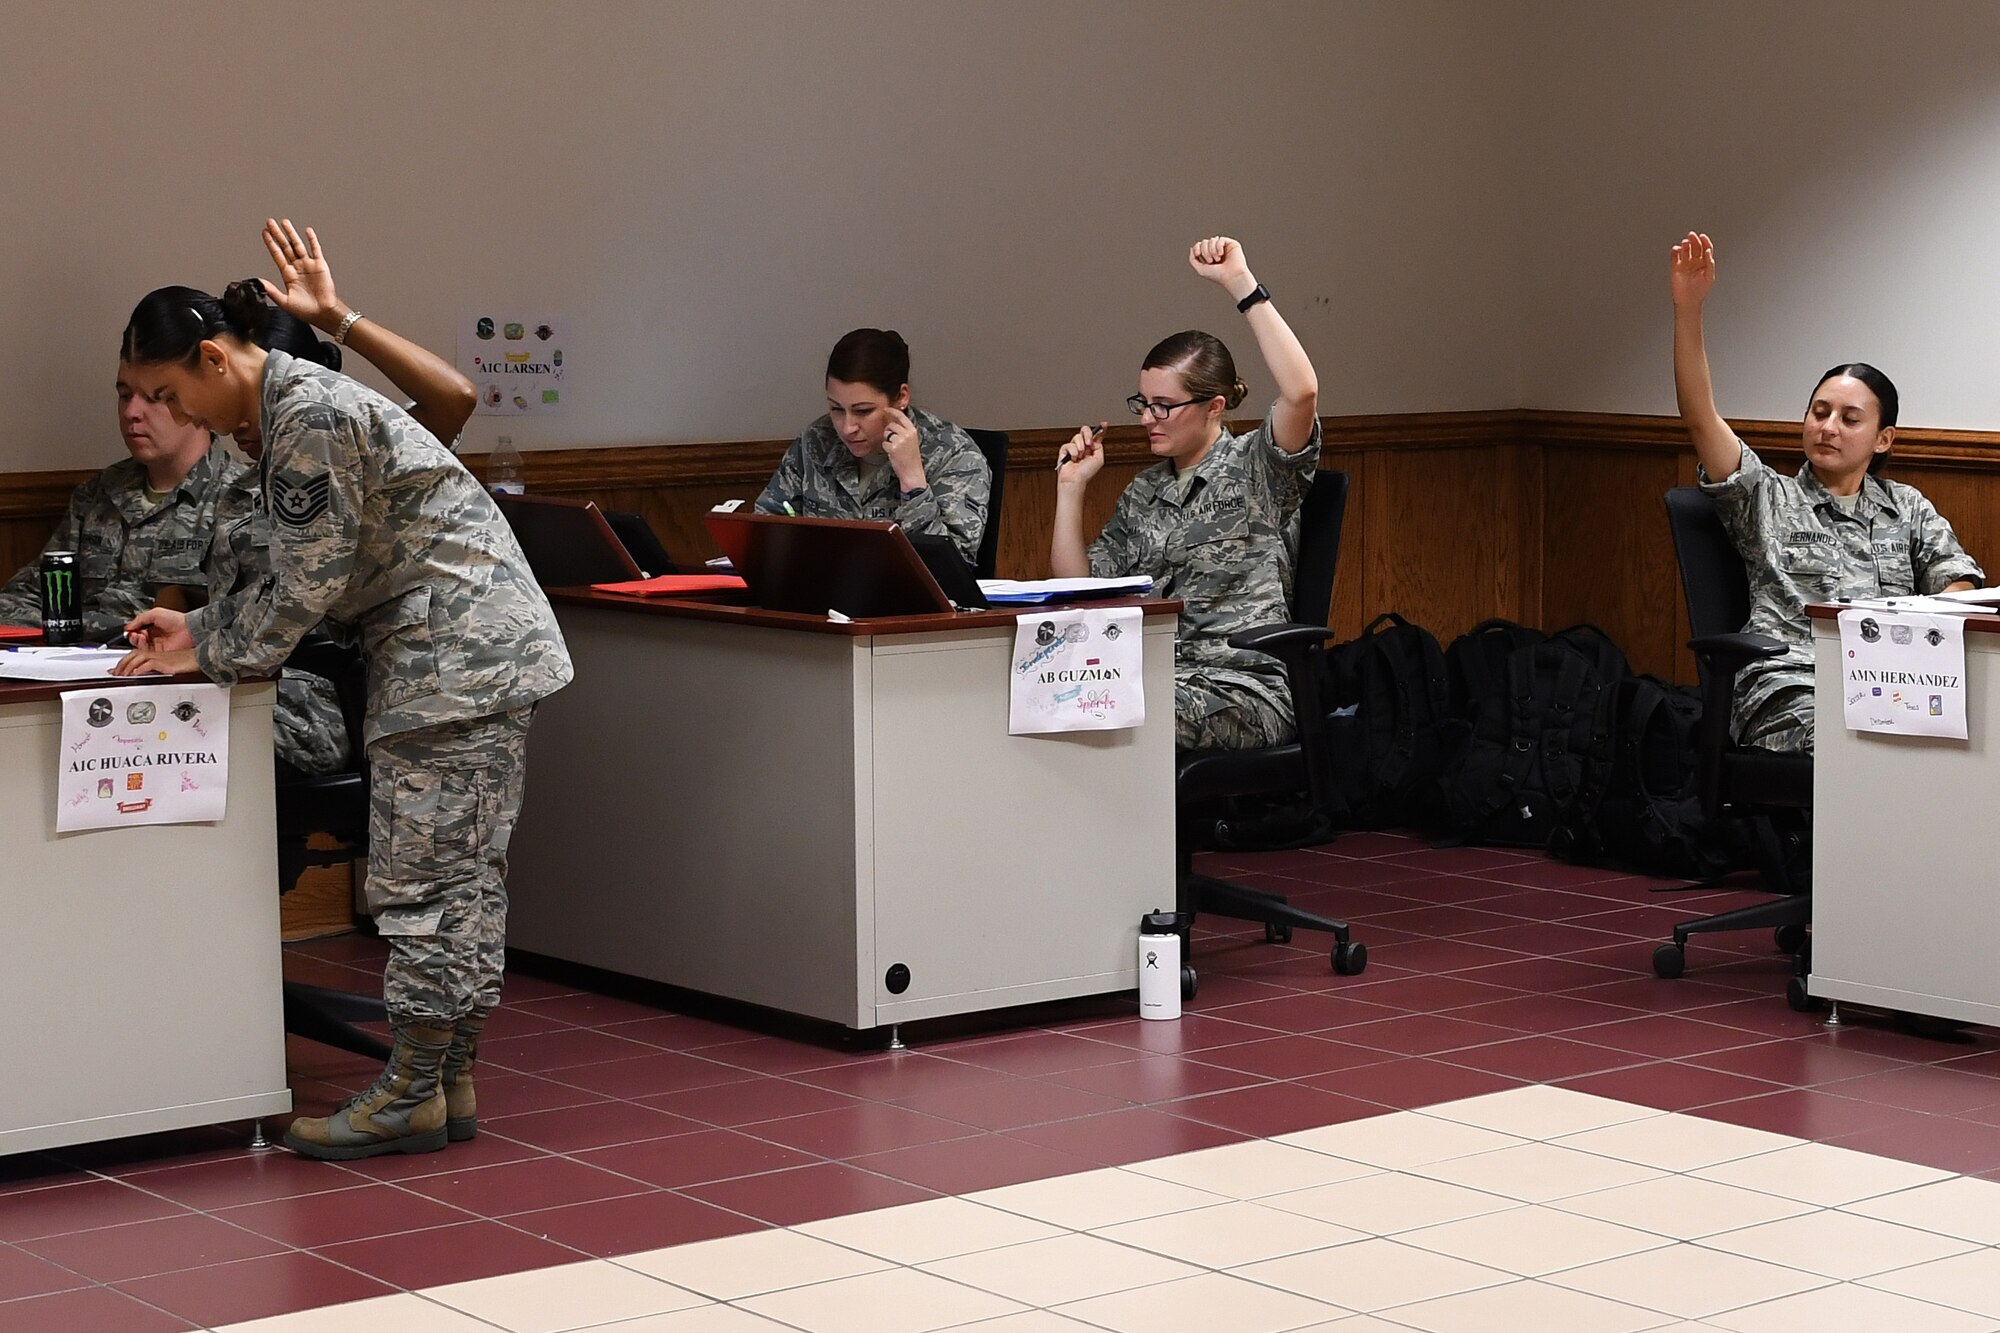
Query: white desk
[(780, 811), (1906, 874), (139, 969)]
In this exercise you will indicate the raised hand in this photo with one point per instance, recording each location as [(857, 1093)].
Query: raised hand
[(308, 290), (1693, 273), (1220, 260), (1083, 457)]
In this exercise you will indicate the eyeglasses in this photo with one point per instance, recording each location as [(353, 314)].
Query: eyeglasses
[(1152, 411)]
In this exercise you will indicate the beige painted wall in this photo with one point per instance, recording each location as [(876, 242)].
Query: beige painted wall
[(714, 190), (1845, 155)]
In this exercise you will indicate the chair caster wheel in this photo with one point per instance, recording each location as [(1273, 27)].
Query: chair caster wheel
[(1350, 958), (1789, 939), (1274, 933), (1798, 997), (1669, 961), (1190, 983)]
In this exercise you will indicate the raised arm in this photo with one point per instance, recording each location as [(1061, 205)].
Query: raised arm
[(1076, 463), (441, 399), (1693, 277), (1220, 260)]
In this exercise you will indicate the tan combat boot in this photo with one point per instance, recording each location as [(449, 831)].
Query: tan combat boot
[(402, 1112), (461, 1107)]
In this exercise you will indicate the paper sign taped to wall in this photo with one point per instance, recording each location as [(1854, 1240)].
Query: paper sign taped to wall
[(518, 363), (143, 754)]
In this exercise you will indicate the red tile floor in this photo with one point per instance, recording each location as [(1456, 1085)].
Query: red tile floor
[(611, 1125)]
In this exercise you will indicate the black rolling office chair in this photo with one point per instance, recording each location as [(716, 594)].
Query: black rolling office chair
[(1772, 791), (335, 804), (1207, 781), (993, 444)]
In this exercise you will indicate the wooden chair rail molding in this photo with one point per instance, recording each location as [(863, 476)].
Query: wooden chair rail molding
[(1545, 517)]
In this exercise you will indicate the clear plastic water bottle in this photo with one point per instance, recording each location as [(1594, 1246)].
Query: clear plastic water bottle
[(503, 469)]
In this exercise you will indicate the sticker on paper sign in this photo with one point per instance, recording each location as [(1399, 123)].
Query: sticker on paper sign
[(1904, 673)]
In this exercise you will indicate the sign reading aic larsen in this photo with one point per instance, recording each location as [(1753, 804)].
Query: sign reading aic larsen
[(518, 363)]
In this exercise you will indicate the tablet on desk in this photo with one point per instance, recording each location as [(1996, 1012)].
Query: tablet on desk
[(859, 568), (567, 542)]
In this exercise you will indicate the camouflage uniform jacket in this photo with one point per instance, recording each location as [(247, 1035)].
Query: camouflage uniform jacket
[(127, 549), (1799, 546), (1223, 543), (819, 477), (374, 524)]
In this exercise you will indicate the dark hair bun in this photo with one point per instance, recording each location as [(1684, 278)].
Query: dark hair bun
[(1238, 391), (248, 308)]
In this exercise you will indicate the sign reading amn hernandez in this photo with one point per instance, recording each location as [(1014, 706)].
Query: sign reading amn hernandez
[(1903, 673), (143, 754)]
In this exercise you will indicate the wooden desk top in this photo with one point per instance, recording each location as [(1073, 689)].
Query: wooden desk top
[(717, 607), (1985, 623)]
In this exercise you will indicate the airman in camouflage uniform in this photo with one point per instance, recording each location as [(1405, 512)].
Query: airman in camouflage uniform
[(1800, 543), (128, 548), (819, 477), (1221, 537), (374, 524), (308, 730)]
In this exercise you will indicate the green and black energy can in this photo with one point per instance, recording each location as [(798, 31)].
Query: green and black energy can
[(62, 609)]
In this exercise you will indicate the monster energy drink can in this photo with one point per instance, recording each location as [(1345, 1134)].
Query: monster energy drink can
[(62, 612)]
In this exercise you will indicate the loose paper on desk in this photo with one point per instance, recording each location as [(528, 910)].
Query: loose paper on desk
[(39, 663), (143, 754), (1903, 673), (1033, 591), (1077, 670)]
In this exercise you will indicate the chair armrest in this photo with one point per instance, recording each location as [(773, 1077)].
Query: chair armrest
[(1735, 650), (1275, 639)]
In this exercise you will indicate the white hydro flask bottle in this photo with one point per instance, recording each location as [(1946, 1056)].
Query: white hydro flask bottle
[(1159, 974)]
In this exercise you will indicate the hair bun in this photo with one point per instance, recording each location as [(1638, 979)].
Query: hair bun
[(247, 307), (1237, 393)]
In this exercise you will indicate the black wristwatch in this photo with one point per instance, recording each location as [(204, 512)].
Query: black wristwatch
[(1257, 293)]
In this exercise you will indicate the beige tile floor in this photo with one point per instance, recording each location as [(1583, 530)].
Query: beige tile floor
[(1538, 1210)]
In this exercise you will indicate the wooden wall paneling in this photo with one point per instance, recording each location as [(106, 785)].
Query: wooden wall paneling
[(1609, 558), (1434, 531)]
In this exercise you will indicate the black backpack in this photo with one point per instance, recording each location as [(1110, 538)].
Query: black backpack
[(1530, 700), (1392, 725), (1638, 808)]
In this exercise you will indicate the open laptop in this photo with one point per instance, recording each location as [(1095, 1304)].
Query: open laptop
[(859, 568), (567, 542)]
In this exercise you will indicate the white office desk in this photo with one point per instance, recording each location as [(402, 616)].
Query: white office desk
[(139, 968), (1906, 875), (781, 811)]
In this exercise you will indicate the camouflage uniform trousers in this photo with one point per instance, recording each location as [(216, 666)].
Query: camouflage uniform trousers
[(1783, 722), (1219, 709), (443, 801)]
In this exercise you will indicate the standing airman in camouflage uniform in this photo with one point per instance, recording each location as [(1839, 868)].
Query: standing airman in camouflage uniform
[(1834, 531), (375, 525), (1216, 524), (874, 456)]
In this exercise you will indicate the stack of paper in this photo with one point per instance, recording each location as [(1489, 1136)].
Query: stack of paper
[(1029, 592), (30, 663)]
